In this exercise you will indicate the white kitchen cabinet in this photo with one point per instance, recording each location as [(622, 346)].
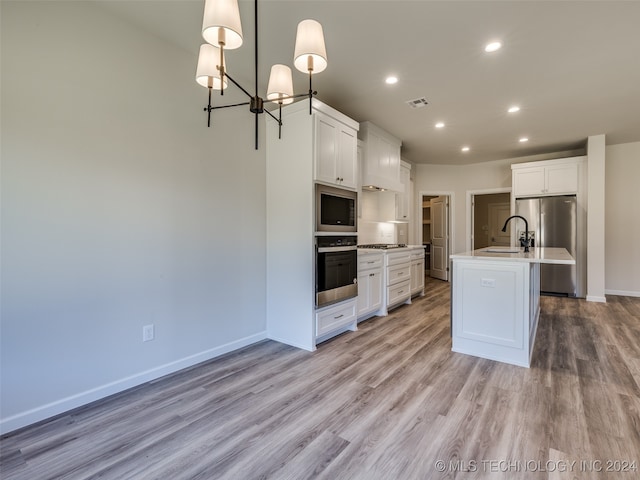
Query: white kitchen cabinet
[(417, 271), (359, 155), (335, 155), (402, 198), (336, 317), (370, 286), (495, 302), (291, 315), (397, 278), (381, 158), (550, 177), (395, 207)]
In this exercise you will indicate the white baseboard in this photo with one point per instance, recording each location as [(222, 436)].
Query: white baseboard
[(623, 293), (65, 404), (595, 298), (308, 348)]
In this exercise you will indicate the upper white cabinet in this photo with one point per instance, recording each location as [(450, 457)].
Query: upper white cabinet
[(381, 158), (402, 199), (549, 177), (335, 155)]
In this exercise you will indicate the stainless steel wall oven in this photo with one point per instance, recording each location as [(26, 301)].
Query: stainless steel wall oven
[(336, 269)]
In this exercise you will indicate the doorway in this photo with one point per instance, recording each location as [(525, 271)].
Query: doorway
[(488, 213), (436, 234)]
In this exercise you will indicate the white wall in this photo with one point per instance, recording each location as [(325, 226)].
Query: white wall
[(460, 179), (119, 209), (622, 219)]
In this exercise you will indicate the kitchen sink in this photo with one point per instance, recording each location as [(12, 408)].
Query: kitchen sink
[(501, 250)]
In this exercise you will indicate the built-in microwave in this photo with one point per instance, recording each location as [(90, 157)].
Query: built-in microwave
[(336, 209)]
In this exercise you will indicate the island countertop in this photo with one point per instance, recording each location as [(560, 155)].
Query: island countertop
[(537, 255)]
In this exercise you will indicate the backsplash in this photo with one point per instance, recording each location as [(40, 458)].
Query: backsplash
[(377, 232)]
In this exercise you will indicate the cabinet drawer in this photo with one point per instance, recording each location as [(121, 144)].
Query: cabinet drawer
[(398, 258), (398, 273), (369, 261), (399, 293), (335, 317)]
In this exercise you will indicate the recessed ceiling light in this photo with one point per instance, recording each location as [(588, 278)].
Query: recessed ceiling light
[(514, 109), (523, 139), (465, 149), (391, 80), (440, 125), (492, 47)]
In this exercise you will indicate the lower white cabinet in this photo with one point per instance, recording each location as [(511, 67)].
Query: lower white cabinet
[(341, 316), (417, 272), (370, 283), (388, 278), (397, 279), (398, 293)]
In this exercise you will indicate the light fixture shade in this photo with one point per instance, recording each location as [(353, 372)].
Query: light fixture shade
[(207, 70), (310, 43), (280, 84), (222, 15)]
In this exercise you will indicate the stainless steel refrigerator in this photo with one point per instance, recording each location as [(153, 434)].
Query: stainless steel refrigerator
[(553, 222)]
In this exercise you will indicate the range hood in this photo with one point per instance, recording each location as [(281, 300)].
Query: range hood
[(373, 188)]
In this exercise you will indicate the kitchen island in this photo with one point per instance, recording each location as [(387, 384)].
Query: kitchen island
[(495, 301)]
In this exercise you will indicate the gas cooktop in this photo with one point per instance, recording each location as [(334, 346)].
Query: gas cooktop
[(384, 246)]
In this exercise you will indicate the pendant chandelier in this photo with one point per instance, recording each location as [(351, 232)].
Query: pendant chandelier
[(222, 30)]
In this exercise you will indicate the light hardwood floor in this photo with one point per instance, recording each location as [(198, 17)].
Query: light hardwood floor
[(386, 402)]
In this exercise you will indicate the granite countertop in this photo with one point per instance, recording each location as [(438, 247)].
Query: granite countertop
[(536, 255)]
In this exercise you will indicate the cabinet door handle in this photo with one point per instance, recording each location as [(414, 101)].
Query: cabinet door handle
[(372, 274), (401, 291), (339, 316)]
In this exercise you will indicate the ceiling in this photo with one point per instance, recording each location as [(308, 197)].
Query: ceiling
[(573, 67)]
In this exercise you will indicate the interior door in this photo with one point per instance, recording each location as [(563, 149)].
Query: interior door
[(440, 237), (498, 214)]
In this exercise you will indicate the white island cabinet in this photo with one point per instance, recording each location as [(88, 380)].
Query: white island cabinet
[(495, 301)]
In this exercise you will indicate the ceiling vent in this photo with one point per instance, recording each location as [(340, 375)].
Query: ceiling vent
[(418, 102)]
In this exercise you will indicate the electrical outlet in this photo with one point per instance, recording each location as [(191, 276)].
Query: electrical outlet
[(147, 333)]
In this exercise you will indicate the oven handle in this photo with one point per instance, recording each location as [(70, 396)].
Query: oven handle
[(337, 249)]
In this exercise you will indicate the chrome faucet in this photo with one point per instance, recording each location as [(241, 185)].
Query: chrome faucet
[(526, 230)]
